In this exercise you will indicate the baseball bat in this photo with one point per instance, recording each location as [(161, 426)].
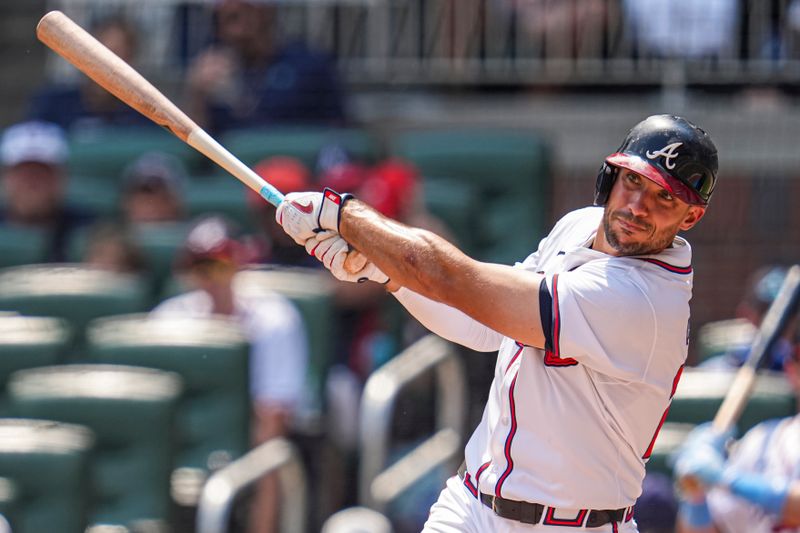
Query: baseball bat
[(772, 327), (90, 56)]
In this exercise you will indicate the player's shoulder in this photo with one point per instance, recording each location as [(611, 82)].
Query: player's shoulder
[(585, 219)]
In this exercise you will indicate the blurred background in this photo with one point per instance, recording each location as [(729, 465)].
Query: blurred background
[(156, 319)]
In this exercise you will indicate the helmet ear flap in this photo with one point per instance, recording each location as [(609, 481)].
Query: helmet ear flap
[(605, 181)]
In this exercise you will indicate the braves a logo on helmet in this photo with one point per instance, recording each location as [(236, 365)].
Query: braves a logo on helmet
[(669, 152)]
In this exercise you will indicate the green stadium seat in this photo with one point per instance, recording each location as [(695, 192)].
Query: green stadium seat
[(104, 153), (97, 196), (48, 464), (700, 393), (27, 342), (304, 143), (76, 293), (22, 246), (509, 170), (455, 203), (8, 502), (210, 354), (221, 194), (311, 290), (131, 411)]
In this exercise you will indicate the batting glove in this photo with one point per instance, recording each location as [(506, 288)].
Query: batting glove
[(304, 214), (702, 455), (333, 251)]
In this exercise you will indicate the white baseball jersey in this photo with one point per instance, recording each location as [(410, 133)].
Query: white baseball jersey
[(275, 330), (572, 426), (772, 449)]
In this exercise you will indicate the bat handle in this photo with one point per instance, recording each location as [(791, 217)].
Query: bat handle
[(271, 194)]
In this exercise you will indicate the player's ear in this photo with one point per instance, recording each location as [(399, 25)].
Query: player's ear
[(692, 216)]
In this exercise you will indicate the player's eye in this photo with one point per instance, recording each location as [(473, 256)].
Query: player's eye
[(665, 195), (633, 178)]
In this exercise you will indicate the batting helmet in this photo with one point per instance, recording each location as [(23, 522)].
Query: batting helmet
[(669, 150)]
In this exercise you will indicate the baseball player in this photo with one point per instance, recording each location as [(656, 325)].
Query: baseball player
[(590, 329), (757, 490)]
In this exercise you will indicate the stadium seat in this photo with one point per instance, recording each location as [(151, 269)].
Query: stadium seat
[(27, 342), (221, 194), (210, 354), (93, 195), (509, 170), (311, 290), (304, 143), (48, 465), (104, 153), (21, 246), (76, 293), (131, 411), (700, 393), (455, 203)]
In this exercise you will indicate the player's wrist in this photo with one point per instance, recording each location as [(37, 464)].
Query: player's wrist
[(695, 513), (330, 212)]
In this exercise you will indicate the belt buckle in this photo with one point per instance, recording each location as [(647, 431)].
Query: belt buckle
[(494, 506)]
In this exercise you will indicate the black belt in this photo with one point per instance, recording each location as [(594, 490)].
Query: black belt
[(531, 513)]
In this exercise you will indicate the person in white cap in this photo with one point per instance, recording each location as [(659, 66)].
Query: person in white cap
[(34, 155)]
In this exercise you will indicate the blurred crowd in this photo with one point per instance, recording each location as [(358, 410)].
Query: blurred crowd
[(246, 78)]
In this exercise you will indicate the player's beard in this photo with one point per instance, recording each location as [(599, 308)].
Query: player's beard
[(660, 240)]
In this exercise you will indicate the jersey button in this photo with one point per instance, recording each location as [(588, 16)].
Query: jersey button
[(504, 420)]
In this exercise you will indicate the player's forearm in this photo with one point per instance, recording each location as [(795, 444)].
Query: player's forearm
[(413, 258)]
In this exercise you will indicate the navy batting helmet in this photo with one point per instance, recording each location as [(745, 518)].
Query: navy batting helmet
[(669, 150)]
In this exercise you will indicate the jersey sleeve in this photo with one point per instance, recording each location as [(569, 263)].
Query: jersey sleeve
[(598, 317), (448, 322)]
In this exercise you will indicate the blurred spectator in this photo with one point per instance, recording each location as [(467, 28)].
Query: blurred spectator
[(278, 364), (34, 155), (248, 79), (287, 174), (84, 104), (564, 28), (762, 288), (111, 247), (682, 28), (152, 189)]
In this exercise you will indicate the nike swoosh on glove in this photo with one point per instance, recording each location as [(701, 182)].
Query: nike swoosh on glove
[(304, 214), (332, 251)]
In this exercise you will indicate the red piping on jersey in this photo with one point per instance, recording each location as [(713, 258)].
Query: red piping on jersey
[(468, 483), (519, 351), (667, 266), (483, 467), (507, 448), (675, 381), (554, 358)]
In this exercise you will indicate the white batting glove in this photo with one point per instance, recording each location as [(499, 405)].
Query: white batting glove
[(333, 251), (304, 214)]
